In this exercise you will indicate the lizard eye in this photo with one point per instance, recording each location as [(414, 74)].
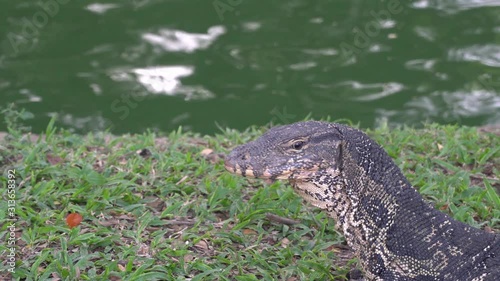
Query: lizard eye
[(298, 145)]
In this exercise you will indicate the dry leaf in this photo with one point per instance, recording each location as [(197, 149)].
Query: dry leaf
[(247, 231), (206, 151), (154, 202), (143, 250), (53, 159), (188, 258), (184, 178), (73, 219), (488, 229), (202, 245), (55, 277), (285, 242), (212, 157)]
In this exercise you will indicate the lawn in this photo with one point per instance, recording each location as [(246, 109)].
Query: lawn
[(162, 207)]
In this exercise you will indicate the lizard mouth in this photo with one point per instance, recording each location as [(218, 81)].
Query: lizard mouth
[(267, 174), (250, 173), (236, 169)]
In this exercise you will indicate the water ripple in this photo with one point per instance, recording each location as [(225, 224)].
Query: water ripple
[(101, 8), (173, 40), (452, 106), (252, 26), (371, 92), (426, 33), (485, 54), (94, 122), (30, 96), (454, 6), (165, 80), (471, 103), (303, 65), (421, 64), (322, 52)]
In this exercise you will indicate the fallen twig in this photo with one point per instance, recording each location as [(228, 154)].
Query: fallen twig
[(282, 220)]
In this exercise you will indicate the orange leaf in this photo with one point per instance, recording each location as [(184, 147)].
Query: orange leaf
[(247, 231), (73, 219)]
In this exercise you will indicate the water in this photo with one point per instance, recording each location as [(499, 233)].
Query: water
[(132, 65)]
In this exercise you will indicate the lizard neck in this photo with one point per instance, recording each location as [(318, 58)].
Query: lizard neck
[(328, 191), (393, 231)]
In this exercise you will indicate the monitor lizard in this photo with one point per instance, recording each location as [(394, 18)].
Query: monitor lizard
[(394, 233)]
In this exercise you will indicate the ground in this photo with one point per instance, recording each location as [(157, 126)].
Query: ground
[(164, 208)]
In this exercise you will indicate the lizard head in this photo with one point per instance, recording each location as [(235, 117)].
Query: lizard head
[(294, 152)]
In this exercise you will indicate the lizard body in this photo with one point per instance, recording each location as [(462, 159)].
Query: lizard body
[(395, 234)]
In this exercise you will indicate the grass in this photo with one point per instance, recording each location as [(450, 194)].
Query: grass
[(163, 208)]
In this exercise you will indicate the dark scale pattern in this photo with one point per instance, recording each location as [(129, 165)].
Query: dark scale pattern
[(376, 211), (395, 234)]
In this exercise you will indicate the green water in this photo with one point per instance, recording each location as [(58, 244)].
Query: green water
[(132, 65)]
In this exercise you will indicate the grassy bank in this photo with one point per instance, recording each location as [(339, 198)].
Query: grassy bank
[(163, 208)]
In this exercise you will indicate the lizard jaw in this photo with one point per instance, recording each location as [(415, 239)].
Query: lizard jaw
[(249, 172)]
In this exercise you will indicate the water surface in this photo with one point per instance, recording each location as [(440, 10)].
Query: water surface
[(132, 65)]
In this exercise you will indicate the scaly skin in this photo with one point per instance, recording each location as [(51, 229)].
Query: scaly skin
[(394, 233)]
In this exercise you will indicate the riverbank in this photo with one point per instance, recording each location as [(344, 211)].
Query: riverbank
[(162, 207)]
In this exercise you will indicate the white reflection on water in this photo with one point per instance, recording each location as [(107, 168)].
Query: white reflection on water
[(426, 33), (100, 8), (421, 64), (252, 26), (370, 92), (474, 103), (172, 40), (31, 97), (322, 52), (167, 80), (485, 54), (164, 80), (453, 6), (94, 122), (303, 65), (450, 106)]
